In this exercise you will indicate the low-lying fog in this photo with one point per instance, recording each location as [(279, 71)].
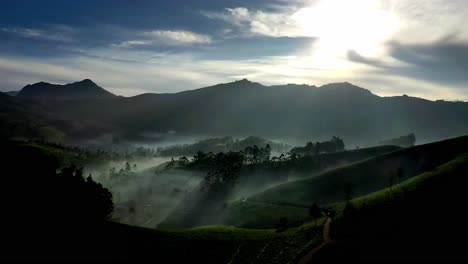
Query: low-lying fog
[(144, 194)]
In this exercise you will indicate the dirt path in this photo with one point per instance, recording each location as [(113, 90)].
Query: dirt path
[(326, 240)]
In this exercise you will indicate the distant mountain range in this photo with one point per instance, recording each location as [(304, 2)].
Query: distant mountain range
[(244, 108)]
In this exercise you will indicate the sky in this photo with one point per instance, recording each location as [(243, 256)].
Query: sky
[(391, 47)]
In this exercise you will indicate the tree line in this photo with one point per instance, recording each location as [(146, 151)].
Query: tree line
[(335, 144)]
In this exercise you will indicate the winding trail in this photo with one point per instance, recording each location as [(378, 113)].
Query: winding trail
[(326, 240)]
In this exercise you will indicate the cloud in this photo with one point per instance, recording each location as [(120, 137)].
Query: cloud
[(55, 33), (166, 38), (426, 21), (442, 62), (260, 23)]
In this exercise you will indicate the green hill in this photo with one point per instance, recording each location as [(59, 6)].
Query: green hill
[(365, 176)]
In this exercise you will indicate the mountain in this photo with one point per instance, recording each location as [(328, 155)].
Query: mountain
[(85, 89), (243, 108)]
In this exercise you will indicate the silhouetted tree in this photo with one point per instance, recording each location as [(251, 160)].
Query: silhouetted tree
[(128, 167), (315, 212), (348, 192), (282, 224)]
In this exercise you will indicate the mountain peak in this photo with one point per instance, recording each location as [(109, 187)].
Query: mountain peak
[(85, 89), (245, 80), (87, 81), (345, 87)]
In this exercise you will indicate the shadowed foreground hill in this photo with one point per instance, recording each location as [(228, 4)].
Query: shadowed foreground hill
[(423, 218), (245, 108), (51, 215)]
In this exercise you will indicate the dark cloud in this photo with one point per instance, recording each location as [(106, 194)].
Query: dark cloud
[(353, 56), (441, 62), (445, 63)]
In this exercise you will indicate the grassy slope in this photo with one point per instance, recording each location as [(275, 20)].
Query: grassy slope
[(366, 176), (422, 219), (65, 157), (218, 244), (259, 215)]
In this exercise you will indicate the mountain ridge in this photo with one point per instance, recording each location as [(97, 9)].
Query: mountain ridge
[(243, 108)]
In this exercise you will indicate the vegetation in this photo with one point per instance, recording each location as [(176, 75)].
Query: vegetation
[(229, 174), (90, 155), (61, 192), (403, 141), (334, 145), (216, 145), (72, 215)]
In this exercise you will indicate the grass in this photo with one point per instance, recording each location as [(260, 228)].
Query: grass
[(260, 215), (422, 218), (446, 172), (210, 244), (65, 157)]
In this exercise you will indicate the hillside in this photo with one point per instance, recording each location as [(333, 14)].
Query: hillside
[(245, 108), (85, 89), (238, 211), (25, 119), (419, 219), (366, 176)]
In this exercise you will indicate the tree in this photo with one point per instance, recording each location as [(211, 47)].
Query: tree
[(183, 161), (80, 198), (315, 212), (282, 224), (128, 167), (266, 153), (400, 174), (348, 192)]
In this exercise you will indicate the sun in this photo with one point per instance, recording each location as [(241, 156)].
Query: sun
[(342, 25)]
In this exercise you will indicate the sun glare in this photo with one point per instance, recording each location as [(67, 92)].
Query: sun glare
[(362, 26)]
